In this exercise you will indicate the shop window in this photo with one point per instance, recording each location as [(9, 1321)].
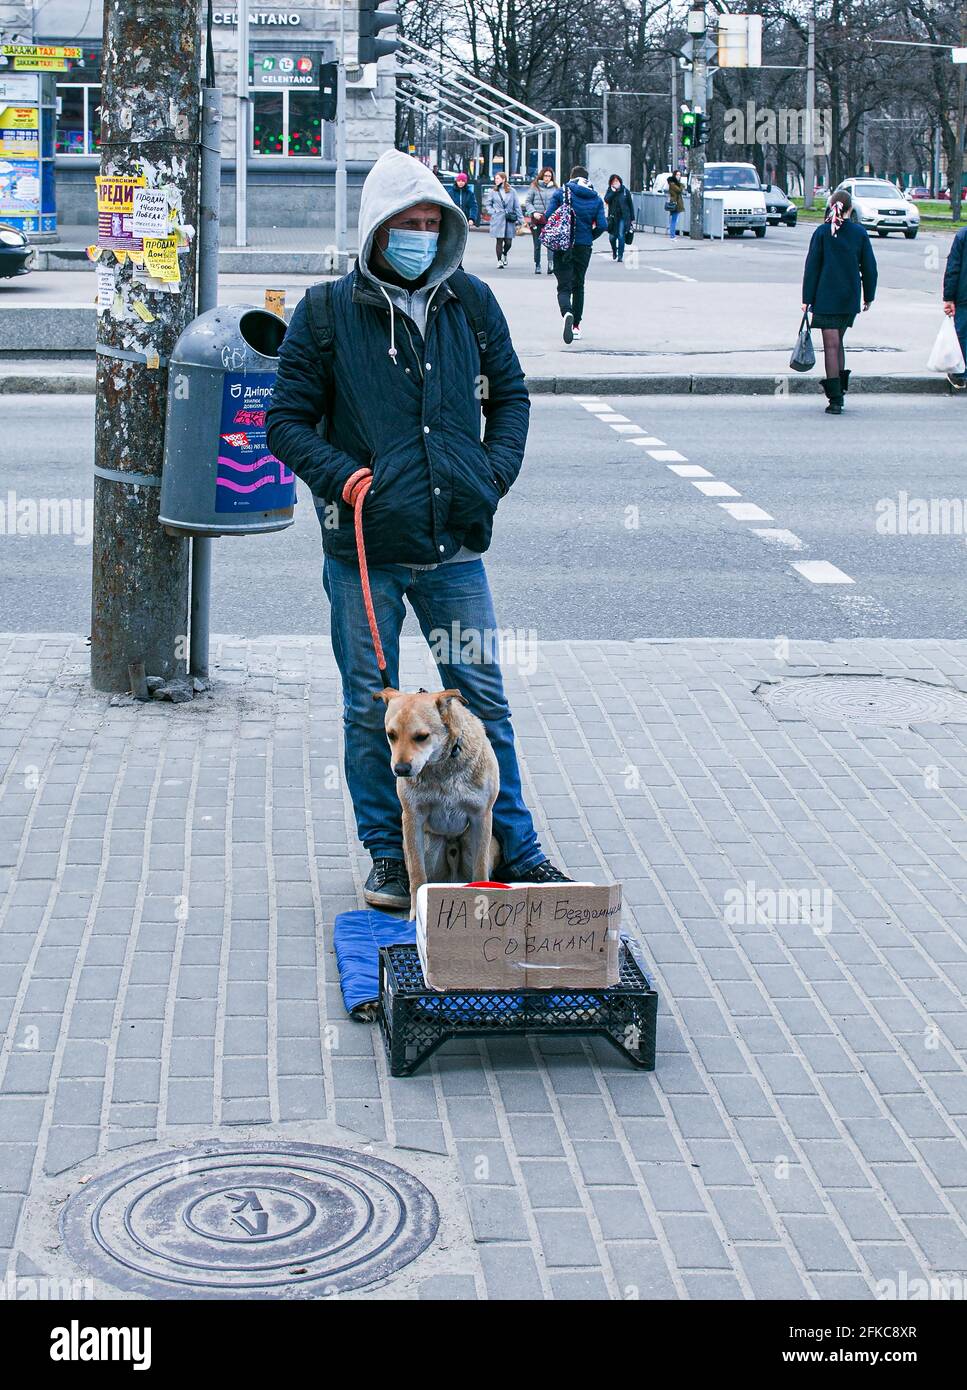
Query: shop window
[(286, 123), (79, 122), (70, 137)]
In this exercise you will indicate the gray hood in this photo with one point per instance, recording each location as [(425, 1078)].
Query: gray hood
[(397, 181)]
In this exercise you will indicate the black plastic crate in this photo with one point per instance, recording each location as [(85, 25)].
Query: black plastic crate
[(416, 1020)]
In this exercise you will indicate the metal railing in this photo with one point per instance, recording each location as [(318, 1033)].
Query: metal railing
[(650, 215)]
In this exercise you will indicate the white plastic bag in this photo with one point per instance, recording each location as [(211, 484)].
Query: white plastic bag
[(945, 355)]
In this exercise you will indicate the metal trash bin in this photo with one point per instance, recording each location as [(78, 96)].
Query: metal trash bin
[(219, 478)]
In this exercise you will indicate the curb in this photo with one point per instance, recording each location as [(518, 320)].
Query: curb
[(82, 384), (716, 384)]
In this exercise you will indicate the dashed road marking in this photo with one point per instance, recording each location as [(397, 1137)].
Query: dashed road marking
[(745, 511), (610, 416), (779, 536), (821, 572), (667, 456), (716, 489), (659, 270), (627, 429), (646, 439), (688, 470)]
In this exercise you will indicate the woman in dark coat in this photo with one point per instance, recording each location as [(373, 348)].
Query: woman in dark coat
[(839, 262), (621, 215)]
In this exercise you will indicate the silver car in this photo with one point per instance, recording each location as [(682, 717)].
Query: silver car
[(880, 207)]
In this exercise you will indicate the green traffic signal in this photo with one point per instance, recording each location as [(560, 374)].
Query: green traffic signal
[(689, 123)]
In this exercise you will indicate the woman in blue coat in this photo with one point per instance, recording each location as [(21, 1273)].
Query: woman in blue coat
[(840, 262)]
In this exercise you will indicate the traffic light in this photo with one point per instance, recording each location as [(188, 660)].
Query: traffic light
[(689, 120), (701, 128), (371, 20), (327, 91)]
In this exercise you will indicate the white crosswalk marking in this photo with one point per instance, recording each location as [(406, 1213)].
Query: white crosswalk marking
[(821, 572), (745, 511), (716, 489), (688, 470), (667, 456)]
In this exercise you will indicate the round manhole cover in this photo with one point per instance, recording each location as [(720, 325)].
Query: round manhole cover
[(887, 700), (250, 1220)]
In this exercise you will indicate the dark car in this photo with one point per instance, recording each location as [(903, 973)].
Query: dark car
[(778, 207), (16, 253)]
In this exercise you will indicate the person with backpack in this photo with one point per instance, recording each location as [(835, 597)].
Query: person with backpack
[(465, 198), (505, 216), (955, 298), (536, 201), (379, 383), (840, 262), (582, 221), (621, 215)]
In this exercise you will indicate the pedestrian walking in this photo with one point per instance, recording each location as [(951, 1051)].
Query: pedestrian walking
[(389, 360), (674, 202), (465, 198), (955, 299), (536, 202), (621, 215), (839, 264), (505, 216), (571, 266)]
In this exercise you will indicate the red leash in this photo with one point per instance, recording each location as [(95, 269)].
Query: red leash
[(354, 494)]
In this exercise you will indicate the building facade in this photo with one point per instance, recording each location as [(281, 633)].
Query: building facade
[(291, 148)]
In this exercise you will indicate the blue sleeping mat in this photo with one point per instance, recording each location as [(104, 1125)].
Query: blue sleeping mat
[(357, 937)]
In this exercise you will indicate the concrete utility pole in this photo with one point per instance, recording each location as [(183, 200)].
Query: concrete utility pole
[(809, 154), (149, 127), (241, 128), (696, 154)]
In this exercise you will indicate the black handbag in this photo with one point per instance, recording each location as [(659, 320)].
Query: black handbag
[(629, 236), (803, 357)]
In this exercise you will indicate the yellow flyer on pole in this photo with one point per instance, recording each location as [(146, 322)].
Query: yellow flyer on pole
[(161, 258)]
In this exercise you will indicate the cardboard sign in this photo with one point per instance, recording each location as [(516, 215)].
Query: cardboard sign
[(527, 936)]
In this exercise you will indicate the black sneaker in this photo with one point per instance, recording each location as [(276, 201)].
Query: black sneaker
[(957, 380), (544, 872), (569, 327), (388, 884)]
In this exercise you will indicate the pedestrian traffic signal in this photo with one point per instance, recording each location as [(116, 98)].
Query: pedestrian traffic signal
[(701, 128), (371, 20), (689, 119)]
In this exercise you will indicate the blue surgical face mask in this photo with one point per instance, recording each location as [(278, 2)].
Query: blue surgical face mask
[(410, 253)]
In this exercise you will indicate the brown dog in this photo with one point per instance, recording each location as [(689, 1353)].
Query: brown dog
[(447, 781)]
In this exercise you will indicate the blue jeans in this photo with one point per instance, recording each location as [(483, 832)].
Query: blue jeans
[(618, 238), (448, 597), (673, 223)]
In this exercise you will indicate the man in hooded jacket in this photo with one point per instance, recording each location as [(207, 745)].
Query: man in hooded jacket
[(400, 395)]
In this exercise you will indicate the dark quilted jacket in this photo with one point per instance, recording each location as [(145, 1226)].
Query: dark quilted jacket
[(417, 426)]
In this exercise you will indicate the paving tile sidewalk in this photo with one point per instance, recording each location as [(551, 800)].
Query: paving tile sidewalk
[(169, 877)]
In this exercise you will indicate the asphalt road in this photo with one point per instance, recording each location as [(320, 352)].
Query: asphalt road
[(599, 539)]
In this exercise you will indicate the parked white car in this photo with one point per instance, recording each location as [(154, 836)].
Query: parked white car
[(741, 191), (881, 207)]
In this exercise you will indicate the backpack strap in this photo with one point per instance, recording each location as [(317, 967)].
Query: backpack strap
[(319, 315), (471, 302)]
